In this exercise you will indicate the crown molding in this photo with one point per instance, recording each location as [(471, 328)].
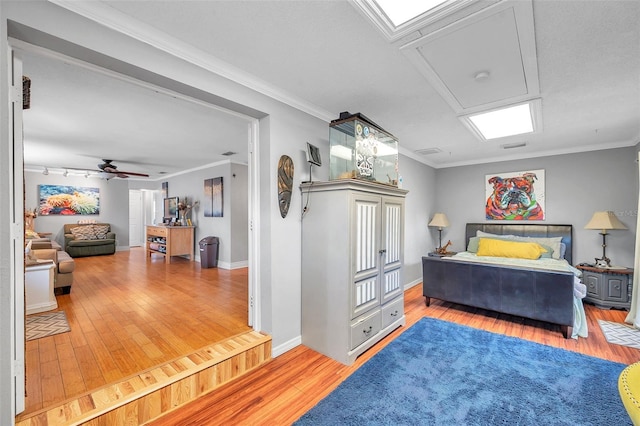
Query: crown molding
[(125, 24), (540, 154)]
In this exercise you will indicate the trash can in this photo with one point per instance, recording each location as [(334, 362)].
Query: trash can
[(209, 252)]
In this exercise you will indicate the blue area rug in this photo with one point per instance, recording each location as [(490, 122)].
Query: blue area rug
[(440, 373)]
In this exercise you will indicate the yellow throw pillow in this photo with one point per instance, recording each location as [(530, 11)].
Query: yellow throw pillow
[(513, 249)]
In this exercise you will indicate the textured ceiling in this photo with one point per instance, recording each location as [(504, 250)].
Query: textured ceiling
[(327, 54)]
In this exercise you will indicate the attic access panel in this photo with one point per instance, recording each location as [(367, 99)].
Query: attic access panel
[(483, 61)]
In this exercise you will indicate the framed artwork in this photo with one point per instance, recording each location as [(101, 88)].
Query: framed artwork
[(165, 190), (213, 191), (68, 200), (515, 196)]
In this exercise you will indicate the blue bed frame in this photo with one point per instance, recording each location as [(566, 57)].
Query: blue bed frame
[(525, 292)]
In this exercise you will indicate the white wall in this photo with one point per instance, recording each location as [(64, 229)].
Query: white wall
[(7, 401)]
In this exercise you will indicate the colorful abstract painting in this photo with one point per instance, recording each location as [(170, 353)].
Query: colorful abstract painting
[(68, 200), (515, 196)]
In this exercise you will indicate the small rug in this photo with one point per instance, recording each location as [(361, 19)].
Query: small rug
[(620, 334), (440, 373), (46, 324)]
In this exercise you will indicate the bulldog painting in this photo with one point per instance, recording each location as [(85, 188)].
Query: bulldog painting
[(511, 196)]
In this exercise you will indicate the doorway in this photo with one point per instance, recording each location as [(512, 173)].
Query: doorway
[(136, 214), (252, 139)]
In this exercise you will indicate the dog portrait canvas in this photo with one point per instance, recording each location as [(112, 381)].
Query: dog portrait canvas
[(515, 196)]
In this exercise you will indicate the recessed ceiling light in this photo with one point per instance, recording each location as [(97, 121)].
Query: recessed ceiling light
[(400, 12), (507, 121)]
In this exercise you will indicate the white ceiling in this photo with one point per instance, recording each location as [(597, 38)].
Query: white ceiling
[(581, 58)]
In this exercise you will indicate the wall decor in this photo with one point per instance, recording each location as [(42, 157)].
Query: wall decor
[(213, 204), (285, 184), (165, 190), (68, 200), (515, 195)]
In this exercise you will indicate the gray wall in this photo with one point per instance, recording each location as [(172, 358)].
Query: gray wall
[(577, 185), (114, 205), (239, 215), (232, 227), (420, 204)]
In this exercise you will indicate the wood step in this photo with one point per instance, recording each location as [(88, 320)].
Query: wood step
[(157, 391)]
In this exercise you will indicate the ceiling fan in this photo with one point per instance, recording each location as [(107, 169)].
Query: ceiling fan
[(109, 170)]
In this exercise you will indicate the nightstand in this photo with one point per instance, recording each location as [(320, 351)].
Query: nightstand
[(436, 254), (608, 288)]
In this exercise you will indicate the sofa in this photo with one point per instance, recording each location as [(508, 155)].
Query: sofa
[(89, 239), (63, 272)]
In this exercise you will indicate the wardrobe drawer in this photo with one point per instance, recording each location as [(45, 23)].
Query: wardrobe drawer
[(364, 328), (392, 311)]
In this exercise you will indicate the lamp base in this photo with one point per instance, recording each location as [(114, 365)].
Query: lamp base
[(605, 262)]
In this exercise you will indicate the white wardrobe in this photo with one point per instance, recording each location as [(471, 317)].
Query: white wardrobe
[(352, 256)]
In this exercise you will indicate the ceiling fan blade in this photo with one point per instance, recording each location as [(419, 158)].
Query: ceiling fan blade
[(120, 172)]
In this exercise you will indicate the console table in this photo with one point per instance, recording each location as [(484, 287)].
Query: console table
[(171, 241), (607, 288)]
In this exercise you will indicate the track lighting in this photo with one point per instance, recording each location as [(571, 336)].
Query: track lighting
[(45, 171), (66, 173), (86, 175)]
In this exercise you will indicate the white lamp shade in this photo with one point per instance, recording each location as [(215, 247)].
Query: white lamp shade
[(604, 221), (439, 220)]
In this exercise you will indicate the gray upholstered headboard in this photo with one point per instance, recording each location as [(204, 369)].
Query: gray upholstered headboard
[(526, 230)]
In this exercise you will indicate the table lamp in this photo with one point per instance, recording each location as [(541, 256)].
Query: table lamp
[(603, 221), (441, 221)]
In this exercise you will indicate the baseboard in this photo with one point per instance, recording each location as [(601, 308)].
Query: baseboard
[(286, 346), (240, 265), (412, 284), (123, 248), (229, 266)]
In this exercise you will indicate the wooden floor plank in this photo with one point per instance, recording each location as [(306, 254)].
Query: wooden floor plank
[(287, 387), (179, 308), (127, 314)]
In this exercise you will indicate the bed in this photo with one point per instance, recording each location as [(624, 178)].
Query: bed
[(535, 289)]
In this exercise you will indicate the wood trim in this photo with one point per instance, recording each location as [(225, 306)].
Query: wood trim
[(162, 389)]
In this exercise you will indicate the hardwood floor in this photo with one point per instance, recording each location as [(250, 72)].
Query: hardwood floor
[(284, 389), (128, 314)]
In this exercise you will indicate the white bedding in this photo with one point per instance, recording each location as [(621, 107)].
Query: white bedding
[(579, 289)]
